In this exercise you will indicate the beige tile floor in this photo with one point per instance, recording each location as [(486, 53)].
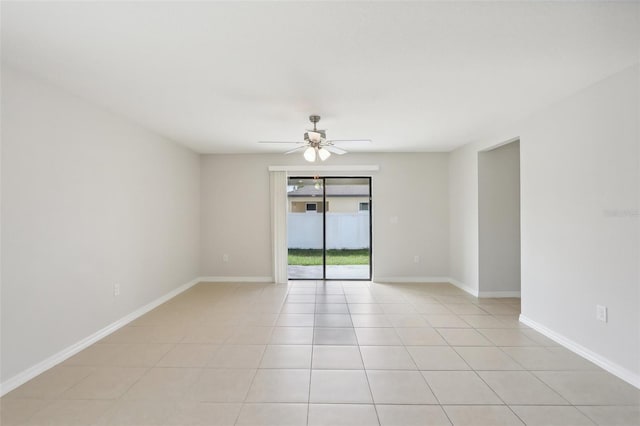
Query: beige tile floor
[(316, 353)]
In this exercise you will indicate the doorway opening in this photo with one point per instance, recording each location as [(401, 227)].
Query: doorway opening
[(329, 228), (499, 221)]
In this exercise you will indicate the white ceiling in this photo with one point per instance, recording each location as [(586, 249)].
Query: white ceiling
[(218, 77)]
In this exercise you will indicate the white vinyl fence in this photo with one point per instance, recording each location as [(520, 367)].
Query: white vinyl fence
[(344, 230)]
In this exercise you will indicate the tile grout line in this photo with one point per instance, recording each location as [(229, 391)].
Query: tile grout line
[(375, 407), (313, 339), (499, 397), (253, 378)]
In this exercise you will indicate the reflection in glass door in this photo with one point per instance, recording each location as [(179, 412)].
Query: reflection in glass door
[(305, 228), (348, 228), (329, 228)]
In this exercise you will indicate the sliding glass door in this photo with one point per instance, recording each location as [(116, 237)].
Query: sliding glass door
[(305, 228), (329, 228), (348, 228)]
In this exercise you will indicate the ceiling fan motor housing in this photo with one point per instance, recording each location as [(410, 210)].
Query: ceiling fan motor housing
[(322, 133)]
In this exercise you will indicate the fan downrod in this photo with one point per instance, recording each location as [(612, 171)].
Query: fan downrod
[(314, 119)]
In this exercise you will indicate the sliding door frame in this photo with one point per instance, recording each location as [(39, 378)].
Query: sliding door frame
[(324, 228)]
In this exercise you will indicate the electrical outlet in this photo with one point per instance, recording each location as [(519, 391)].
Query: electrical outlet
[(225, 257), (416, 259), (116, 289), (601, 313)]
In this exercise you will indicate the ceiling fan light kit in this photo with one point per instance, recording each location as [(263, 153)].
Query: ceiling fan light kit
[(323, 154), (315, 145), (310, 154)]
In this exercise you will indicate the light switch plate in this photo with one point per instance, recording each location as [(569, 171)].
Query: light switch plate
[(601, 313)]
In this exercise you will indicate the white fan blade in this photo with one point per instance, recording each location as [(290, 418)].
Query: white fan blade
[(350, 141), (334, 149), (280, 142), (291, 151)]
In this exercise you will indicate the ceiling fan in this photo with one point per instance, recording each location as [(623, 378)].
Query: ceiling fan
[(315, 144)]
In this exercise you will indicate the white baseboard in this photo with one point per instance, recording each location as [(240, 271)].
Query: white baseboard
[(252, 279), (608, 365), (463, 286), (499, 294), (31, 372), (455, 282), (411, 279)]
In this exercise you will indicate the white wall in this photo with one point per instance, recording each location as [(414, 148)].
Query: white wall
[(88, 200), (580, 223), (463, 220), (411, 188), (580, 230), (499, 220)]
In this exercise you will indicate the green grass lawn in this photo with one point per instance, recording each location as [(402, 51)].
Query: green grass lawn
[(308, 257)]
